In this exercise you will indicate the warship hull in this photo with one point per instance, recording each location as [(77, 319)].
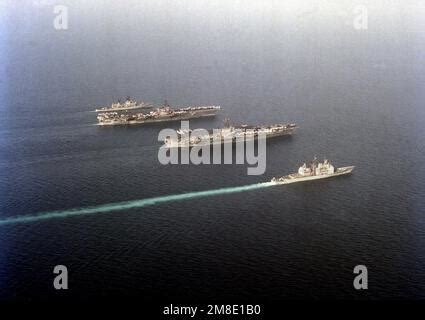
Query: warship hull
[(224, 141), (289, 130), (295, 177), (123, 108), (165, 118)]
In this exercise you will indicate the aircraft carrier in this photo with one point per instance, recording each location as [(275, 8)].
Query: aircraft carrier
[(315, 170), (161, 114), (228, 134)]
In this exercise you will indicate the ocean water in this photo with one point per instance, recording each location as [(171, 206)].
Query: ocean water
[(357, 96)]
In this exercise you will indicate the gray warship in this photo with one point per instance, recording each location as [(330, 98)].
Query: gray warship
[(314, 171), (161, 114), (228, 134), (128, 104)]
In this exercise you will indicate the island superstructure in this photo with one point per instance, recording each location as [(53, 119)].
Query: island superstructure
[(161, 114), (315, 170), (228, 134)]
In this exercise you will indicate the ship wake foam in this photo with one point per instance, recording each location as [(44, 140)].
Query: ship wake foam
[(127, 205)]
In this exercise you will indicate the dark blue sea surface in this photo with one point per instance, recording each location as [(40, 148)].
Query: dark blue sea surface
[(357, 96)]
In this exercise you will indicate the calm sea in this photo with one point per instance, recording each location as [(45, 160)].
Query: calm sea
[(357, 96)]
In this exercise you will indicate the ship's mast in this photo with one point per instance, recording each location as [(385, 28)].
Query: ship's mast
[(313, 166)]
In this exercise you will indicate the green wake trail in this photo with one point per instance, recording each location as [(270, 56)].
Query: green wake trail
[(132, 204)]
